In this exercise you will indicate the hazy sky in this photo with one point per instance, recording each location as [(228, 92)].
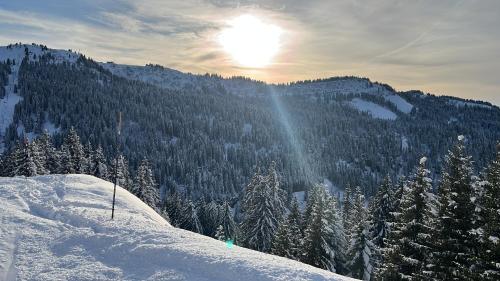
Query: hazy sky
[(443, 47)]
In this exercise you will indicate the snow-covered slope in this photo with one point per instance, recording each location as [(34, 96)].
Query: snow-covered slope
[(375, 110), (15, 54), (58, 227)]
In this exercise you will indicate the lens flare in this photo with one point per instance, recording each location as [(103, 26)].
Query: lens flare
[(250, 41)]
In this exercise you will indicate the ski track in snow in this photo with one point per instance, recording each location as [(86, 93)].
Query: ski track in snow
[(7, 255), (58, 227)]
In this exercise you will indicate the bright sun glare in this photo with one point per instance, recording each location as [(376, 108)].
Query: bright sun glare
[(250, 41)]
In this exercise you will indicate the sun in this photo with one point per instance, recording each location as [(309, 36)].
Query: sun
[(250, 41)]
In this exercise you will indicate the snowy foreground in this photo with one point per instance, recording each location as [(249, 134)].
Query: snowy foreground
[(58, 227)]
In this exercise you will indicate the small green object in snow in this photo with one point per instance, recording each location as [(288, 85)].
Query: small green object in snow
[(229, 244)]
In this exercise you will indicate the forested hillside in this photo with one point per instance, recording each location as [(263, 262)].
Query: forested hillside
[(205, 134), (227, 157)]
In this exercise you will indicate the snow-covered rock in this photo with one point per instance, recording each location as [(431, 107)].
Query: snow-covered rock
[(58, 227)]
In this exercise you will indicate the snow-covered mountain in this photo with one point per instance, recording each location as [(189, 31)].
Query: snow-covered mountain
[(350, 129), (58, 227)]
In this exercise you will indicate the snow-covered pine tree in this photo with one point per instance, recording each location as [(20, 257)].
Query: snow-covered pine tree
[(145, 187), (414, 230), (347, 205), (490, 216), (338, 240), (88, 153), (359, 253), (24, 162), (38, 157), (294, 221), (173, 205), (311, 196), (72, 155), (263, 210), (219, 234), (389, 269), (67, 166), (48, 152), (281, 244), (277, 193), (382, 206), (99, 167), (317, 249), (189, 218), (122, 174), (456, 246), (209, 215), (229, 227)]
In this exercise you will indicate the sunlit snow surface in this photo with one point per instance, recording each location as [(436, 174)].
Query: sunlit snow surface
[(375, 110), (58, 228)]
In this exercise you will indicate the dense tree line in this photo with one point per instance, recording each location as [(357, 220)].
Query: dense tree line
[(405, 232), (41, 157), (204, 140)]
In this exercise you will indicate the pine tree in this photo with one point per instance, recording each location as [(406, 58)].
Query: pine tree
[(122, 174), (99, 167), (337, 236), (294, 221), (88, 153), (73, 156), (48, 153), (456, 245), (229, 227), (490, 227), (359, 253), (219, 234), (409, 245), (264, 209), (145, 187), (24, 162), (39, 158), (317, 249), (381, 213), (209, 215), (281, 243), (391, 253), (173, 206), (346, 209), (189, 218)]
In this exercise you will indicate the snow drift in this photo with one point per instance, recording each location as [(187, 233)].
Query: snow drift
[(58, 227)]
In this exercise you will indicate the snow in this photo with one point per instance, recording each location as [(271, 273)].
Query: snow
[(401, 104), (460, 103), (164, 77), (461, 138), (404, 143), (247, 129), (50, 128), (375, 110), (58, 227), (494, 239), (301, 199), (423, 160)]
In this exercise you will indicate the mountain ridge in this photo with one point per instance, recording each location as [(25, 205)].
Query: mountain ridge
[(346, 130), (118, 69)]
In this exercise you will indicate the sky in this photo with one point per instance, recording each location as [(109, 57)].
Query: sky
[(442, 47)]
